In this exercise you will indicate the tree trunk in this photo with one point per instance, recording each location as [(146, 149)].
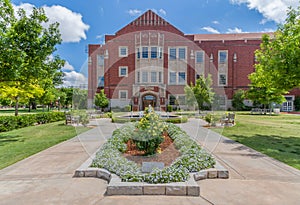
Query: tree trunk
[(17, 107)]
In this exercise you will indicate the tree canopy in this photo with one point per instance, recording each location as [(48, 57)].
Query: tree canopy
[(202, 91), (101, 100), (278, 67), (27, 66)]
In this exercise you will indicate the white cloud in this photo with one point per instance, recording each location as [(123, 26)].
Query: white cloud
[(235, 30), (274, 10), (74, 79), (71, 26), (162, 12), (216, 22), (134, 12), (210, 30), (68, 67)]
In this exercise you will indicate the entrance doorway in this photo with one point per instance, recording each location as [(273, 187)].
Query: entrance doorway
[(149, 100)]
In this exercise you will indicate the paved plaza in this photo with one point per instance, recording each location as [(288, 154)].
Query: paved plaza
[(47, 177)]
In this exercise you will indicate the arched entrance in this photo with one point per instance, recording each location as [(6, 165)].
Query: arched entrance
[(149, 99)]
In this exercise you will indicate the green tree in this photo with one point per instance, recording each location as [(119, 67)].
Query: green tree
[(238, 100), (101, 100), (79, 98), (190, 99), (278, 67), (26, 47), (203, 91)]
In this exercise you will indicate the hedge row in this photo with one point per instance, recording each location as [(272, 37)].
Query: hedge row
[(8, 123)]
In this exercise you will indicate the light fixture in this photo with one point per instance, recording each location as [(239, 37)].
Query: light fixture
[(234, 57), (106, 54), (211, 58), (192, 55)]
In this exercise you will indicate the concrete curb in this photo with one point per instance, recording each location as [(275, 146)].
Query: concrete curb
[(117, 187)]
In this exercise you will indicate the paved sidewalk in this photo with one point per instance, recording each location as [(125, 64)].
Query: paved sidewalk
[(47, 177)]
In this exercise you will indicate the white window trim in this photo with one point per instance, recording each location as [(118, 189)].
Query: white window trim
[(121, 47), (219, 79), (226, 51), (120, 67), (120, 91), (169, 78), (176, 58), (185, 56)]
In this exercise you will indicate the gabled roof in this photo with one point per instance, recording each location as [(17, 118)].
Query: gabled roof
[(233, 36), (149, 21)]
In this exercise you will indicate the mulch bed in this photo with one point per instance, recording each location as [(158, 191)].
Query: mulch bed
[(168, 153)]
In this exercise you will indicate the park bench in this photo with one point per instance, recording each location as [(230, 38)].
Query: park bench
[(261, 111), (228, 119), (72, 119)]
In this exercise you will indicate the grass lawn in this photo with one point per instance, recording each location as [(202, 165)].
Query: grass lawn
[(276, 136), (21, 143)]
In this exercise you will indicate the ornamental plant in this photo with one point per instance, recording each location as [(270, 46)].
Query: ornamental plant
[(149, 132)]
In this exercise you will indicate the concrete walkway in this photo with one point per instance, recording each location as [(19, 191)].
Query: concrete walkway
[(47, 177)]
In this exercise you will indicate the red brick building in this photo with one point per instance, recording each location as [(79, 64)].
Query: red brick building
[(149, 61)]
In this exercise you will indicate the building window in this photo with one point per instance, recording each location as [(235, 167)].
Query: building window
[(172, 77), (100, 60), (101, 81), (144, 77), (145, 52), (222, 100), (123, 51), (222, 56), (199, 57), (160, 52), (153, 52), (222, 79), (181, 77), (172, 53), (153, 77), (159, 77), (123, 71), (181, 53), (172, 100), (138, 53), (123, 94)]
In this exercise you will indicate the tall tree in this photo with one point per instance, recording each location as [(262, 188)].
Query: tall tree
[(190, 99), (26, 47), (278, 67), (101, 100), (203, 92)]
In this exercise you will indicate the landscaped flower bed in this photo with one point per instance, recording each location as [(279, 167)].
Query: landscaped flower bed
[(192, 158)]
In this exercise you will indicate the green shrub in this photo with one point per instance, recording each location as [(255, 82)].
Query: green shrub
[(177, 120), (169, 108), (192, 158), (8, 123)]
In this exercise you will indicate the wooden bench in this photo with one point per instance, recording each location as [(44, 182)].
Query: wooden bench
[(72, 119), (228, 119)]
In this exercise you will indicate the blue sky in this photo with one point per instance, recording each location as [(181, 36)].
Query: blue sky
[(86, 22)]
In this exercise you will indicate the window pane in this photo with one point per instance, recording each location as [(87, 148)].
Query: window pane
[(145, 52), (123, 95), (181, 77), (144, 77), (123, 71), (101, 81), (222, 79), (172, 100), (222, 57), (172, 54), (182, 53), (138, 54), (199, 57), (123, 51), (153, 52), (172, 78), (153, 77), (100, 60)]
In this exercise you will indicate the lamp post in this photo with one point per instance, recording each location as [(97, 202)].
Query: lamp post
[(233, 72), (58, 100)]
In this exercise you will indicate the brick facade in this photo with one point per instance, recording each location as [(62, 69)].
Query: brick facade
[(154, 77)]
